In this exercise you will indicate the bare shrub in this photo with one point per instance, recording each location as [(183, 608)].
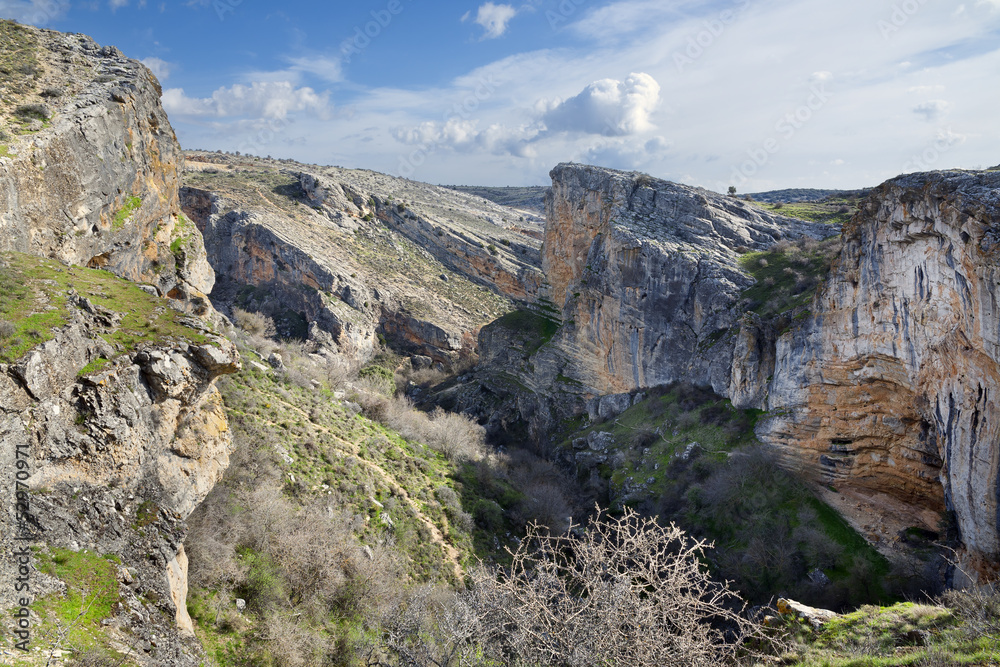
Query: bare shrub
[(7, 329), (456, 436), (979, 608), (625, 591), (255, 324)]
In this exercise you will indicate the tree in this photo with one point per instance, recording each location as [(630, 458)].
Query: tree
[(623, 591), (732, 190)]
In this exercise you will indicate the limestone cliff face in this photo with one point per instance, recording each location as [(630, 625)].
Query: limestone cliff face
[(645, 274), (357, 254), (891, 385), (120, 441), (884, 387), (97, 183)]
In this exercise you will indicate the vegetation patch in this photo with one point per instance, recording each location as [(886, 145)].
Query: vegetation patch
[(132, 205), (832, 211), (35, 302), (18, 59), (686, 455), (787, 275), (72, 620)]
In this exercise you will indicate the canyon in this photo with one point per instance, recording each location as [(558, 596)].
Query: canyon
[(126, 257)]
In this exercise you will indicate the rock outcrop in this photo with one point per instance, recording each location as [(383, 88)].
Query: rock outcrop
[(109, 421), (96, 183), (115, 447), (645, 274), (883, 385), (889, 386), (356, 254)]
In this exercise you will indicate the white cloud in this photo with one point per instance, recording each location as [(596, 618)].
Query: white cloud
[(608, 107), (160, 68), (493, 18), (932, 109), (33, 12), (117, 4), (270, 100), (465, 136), (326, 68)]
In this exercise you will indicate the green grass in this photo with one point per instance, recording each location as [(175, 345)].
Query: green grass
[(34, 298), (183, 231), (91, 595), (336, 453), (902, 634), (787, 275), (4, 150), (830, 212), (132, 205), (94, 367)]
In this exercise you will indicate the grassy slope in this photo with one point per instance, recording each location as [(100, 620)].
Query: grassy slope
[(35, 299), (688, 456), (787, 275)]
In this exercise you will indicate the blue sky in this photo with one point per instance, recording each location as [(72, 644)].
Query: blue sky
[(762, 94)]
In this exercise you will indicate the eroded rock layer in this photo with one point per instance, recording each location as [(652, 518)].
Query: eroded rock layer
[(357, 254), (92, 179), (891, 384), (645, 275)]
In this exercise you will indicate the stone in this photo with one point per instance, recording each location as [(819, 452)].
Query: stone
[(817, 618), (421, 362)]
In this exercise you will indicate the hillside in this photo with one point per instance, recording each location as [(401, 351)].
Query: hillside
[(258, 412)]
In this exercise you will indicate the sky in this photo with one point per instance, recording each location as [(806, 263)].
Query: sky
[(760, 94)]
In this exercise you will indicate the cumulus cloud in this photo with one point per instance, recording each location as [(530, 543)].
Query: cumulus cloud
[(493, 18), (271, 99), (33, 12), (931, 110), (608, 107), (465, 136), (161, 68)]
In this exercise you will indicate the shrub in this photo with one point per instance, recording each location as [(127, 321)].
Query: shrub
[(624, 591), (7, 329), (33, 112), (255, 324)]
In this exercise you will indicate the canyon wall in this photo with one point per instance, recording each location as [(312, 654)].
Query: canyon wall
[(890, 384), (645, 275), (109, 415), (359, 254), (883, 384)]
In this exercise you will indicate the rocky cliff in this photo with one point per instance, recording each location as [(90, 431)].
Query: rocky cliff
[(356, 254), (111, 428), (877, 380), (90, 166), (645, 275), (889, 385)]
